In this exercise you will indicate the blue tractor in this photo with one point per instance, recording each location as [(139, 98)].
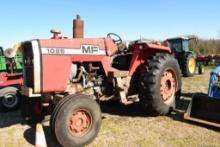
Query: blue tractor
[(206, 108)]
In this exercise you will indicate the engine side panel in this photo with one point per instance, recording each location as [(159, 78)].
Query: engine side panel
[(55, 70), (58, 55)]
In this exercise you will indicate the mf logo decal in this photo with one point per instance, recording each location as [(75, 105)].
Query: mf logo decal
[(89, 49)]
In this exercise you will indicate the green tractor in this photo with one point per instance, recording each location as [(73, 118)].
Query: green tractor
[(185, 57), (10, 63), (10, 79)]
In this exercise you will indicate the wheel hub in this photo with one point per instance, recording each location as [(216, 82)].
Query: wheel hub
[(192, 65), (10, 101), (167, 85), (80, 123)]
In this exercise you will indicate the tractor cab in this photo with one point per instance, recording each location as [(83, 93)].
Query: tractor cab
[(179, 44), (181, 51)]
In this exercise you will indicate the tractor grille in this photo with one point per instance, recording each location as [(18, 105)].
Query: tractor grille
[(28, 70)]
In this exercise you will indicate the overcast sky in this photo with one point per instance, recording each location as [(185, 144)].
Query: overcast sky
[(154, 19)]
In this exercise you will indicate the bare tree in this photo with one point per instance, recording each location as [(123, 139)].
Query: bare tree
[(219, 34)]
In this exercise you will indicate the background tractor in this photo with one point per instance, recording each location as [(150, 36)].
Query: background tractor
[(185, 57), (74, 74), (10, 79)]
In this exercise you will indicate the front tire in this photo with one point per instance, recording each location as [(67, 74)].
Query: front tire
[(77, 121), (160, 84), (57, 109), (9, 99)]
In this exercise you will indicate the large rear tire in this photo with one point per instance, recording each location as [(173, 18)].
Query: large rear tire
[(77, 121), (9, 99), (188, 65), (160, 86)]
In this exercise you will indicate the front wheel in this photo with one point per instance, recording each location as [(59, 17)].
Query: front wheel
[(188, 65), (77, 121), (160, 84), (9, 99)]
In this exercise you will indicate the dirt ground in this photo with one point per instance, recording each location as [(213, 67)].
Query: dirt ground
[(127, 125)]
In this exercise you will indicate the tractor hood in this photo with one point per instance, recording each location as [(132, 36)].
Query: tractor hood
[(78, 46), (47, 62)]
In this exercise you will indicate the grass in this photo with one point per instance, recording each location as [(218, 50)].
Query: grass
[(127, 126)]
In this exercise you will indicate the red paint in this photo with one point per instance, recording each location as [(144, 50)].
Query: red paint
[(135, 62), (158, 47), (141, 53), (80, 123), (10, 79), (55, 71)]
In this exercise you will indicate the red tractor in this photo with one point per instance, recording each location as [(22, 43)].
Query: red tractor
[(77, 73), (10, 79)]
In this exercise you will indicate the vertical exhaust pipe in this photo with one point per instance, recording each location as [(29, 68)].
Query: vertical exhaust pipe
[(78, 27)]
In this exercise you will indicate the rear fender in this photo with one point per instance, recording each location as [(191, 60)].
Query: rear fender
[(143, 52)]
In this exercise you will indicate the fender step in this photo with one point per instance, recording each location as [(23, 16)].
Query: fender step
[(118, 73)]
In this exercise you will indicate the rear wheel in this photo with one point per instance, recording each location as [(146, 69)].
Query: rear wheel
[(188, 65), (9, 99), (160, 84), (201, 69), (77, 121)]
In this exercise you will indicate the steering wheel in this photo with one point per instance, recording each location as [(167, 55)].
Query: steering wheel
[(116, 38)]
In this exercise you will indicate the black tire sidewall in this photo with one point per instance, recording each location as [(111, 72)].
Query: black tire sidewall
[(56, 110), (61, 125), (150, 95), (6, 91), (158, 103)]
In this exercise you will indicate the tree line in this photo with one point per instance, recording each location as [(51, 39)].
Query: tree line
[(205, 46)]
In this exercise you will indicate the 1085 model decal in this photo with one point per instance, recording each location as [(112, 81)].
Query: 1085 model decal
[(55, 51)]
